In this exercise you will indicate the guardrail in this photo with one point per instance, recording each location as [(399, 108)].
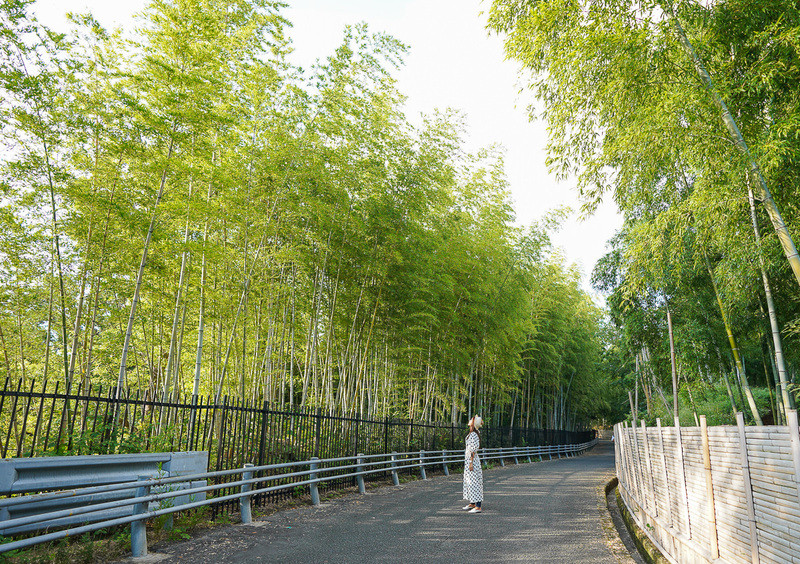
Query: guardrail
[(318, 471), (25, 475)]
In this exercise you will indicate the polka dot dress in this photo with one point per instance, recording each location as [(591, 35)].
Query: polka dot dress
[(473, 480)]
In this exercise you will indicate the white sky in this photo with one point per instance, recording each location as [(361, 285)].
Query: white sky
[(453, 62)]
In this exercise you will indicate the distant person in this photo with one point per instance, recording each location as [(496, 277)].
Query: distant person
[(473, 475)]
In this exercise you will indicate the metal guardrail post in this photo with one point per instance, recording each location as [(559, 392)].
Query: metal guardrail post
[(244, 502), (422, 465), (360, 478), (502, 457), (138, 528), (395, 479), (313, 485), (444, 463), (516, 458), (528, 452)]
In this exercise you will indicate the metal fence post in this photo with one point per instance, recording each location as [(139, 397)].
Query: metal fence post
[(360, 477), (516, 458), (422, 465), (528, 452), (317, 426), (395, 479), (444, 463), (138, 528), (262, 439), (244, 502), (502, 455), (313, 485)]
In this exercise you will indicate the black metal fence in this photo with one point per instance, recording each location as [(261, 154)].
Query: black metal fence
[(48, 420)]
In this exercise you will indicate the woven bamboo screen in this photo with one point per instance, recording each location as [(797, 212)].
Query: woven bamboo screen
[(714, 494)]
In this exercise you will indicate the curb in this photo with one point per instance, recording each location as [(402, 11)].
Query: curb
[(647, 550)]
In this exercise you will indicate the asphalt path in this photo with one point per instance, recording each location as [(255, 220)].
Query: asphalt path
[(538, 512)]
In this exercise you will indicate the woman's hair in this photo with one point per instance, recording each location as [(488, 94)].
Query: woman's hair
[(472, 429)]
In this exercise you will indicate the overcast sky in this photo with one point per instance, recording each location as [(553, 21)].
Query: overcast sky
[(453, 62)]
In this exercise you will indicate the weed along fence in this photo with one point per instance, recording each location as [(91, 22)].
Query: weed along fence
[(154, 497), (714, 494), (45, 420)]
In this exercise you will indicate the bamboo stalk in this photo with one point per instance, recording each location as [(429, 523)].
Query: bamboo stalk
[(789, 248)]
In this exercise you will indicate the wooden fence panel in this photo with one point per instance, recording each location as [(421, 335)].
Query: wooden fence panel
[(731, 508), (751, 513)]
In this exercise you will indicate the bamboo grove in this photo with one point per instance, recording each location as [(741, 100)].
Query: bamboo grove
[(687, 114), (186, 212)]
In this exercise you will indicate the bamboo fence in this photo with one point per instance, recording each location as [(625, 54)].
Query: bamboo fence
[(714, 494)]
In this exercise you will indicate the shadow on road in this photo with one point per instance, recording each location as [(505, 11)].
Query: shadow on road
[(536, 512)]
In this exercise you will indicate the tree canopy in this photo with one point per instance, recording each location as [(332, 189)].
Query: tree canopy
[(183, 211), (686, 114)]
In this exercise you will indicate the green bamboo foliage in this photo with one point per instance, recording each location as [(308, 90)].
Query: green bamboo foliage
[(670, 107), (230, 225)]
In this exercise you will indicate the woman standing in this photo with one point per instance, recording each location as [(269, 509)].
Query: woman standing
[(473, 475)]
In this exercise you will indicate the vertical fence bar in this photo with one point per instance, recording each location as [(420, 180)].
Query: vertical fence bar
[(21, 440), (712, 515), (386, 434), (748, 488), (71, 423), (50, 417), (619, 457), (38, 418), (317, 424), (652, 492), (139, 528), (262, 439), (12, 418), (244, 501), (682, 475), (794, 436), (64, 419), (5, 390), (665, 476)]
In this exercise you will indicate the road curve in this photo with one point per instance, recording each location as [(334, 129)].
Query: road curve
[(539, 512)]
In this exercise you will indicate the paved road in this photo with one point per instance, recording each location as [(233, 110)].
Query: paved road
[(540, 512)]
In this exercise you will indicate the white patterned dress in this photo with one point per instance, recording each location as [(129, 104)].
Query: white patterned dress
[(473, 479)]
